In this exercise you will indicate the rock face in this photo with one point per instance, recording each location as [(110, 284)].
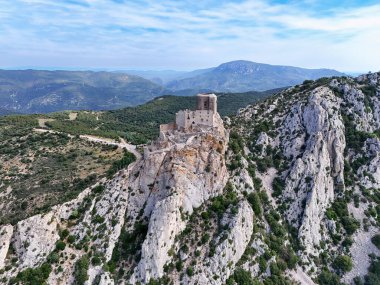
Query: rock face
[(179, 173), (326, 132), (228, 252), (35, 238), (320, 166), (5, 239)]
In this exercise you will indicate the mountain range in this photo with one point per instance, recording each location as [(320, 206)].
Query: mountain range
[(242, 76), (36, 91)]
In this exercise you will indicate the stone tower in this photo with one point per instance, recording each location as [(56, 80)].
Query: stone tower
[(207, 102)]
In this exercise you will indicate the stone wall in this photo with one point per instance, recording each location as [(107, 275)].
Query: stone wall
[(185, 119)]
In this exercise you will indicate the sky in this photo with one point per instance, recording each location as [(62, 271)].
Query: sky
[(186, 35)]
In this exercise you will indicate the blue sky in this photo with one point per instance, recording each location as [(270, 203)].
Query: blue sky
[(184, 35)]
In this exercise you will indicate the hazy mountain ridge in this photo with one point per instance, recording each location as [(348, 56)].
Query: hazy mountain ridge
[(241, 76), (32, 91), (38, 91)]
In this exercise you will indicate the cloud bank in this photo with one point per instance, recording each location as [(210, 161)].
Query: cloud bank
[(170, 34)]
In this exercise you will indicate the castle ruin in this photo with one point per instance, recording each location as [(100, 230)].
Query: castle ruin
[(189, 124), (205, 116)]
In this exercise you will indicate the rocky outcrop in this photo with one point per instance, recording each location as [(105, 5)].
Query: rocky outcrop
[(35, 238), (177, 175), (216, 270), (5, 239), (312, 179)]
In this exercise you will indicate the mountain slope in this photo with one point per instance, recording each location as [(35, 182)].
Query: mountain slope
[(127, 123), (4, 112), (242, 76), (32, 91), (286, 191)]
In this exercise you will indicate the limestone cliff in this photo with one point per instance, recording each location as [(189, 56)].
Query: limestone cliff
[(314, 149)]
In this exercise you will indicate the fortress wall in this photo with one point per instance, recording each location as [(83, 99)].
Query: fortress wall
[(202, 117), (186, 119), (181, 119), (168, 127)]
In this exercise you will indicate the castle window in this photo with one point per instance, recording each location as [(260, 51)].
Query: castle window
[(193, 123)]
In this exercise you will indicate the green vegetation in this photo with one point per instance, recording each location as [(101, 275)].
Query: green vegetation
[(373, 275), (328, 278), (60, 245), (342, 264), (44, 169), (354, 139), (242, 277), (126, 123), (255, 201), (80, 270), (278, 185), (117, 165), (33, 276), (339, 212), (376, 240), (127, 250)]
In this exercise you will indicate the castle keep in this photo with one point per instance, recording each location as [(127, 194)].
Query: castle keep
[(205, 115)]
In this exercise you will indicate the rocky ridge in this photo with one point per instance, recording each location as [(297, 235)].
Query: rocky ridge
[(290, 187)]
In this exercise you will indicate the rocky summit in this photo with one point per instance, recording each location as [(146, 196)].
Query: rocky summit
[(285, 192)]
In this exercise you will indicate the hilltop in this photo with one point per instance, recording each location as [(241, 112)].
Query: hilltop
[(242, 76)]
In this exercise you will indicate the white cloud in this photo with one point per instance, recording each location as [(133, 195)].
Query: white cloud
[(178, 34)]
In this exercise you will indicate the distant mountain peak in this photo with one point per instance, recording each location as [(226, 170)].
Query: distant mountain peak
[(243, 76)]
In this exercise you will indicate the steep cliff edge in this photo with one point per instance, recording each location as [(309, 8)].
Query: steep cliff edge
[(313, 149), (129, 223)]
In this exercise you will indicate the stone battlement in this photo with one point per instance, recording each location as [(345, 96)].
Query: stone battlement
[(205, 115)]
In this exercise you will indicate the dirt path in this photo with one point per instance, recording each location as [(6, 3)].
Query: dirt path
[(123, 144), (130, 147)]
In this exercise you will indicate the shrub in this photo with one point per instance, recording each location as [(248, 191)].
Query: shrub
[(278, 186), (80, 270), (71, 239), (127, 159), (98, 219), (53, 258), (95, 260), (255, 202), (74, 215), (376, 240), (98, 189), (190, 271), (350, 224), (33, 276), (205, 238), (342, 264), (60, 245), (243, 277), (328, 278), (63, 234)]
